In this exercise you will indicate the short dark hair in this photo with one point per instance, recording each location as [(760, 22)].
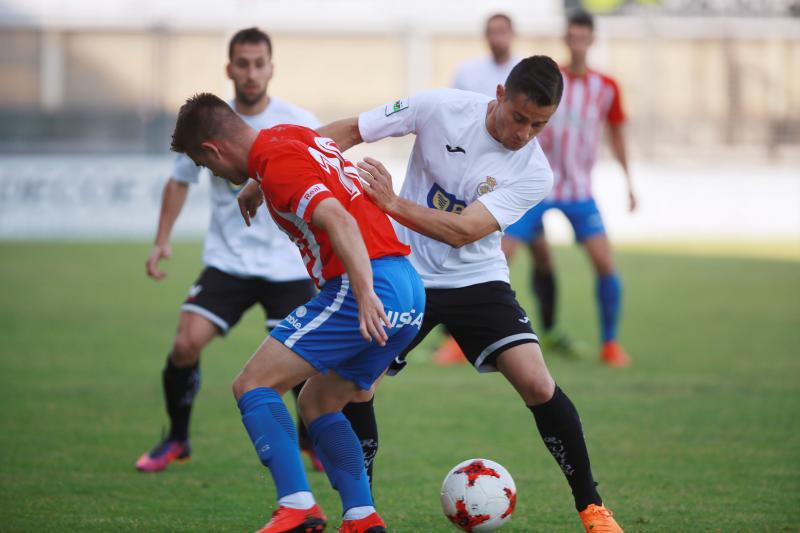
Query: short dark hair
[(538, 78), (580, 17), (249, 36), (502, 16), (204, 116)]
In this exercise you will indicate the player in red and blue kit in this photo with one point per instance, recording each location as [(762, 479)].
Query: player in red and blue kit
[(591, 101), (369, 308)]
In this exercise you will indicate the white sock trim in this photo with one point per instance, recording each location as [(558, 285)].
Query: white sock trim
[(357, 513), (298, 500)]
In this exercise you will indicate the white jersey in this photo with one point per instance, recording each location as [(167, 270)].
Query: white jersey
[(483, 75), (262, 250), (454, 162)]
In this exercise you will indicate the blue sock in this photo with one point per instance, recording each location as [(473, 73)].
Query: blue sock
[(609, 299), (340, 452), (274, 436)]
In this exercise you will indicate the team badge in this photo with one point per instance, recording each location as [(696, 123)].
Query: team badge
[(487, 186), (301, 311), (399, 105), (442, 200)]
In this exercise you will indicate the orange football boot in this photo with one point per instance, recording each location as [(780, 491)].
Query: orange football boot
[(369, 524), (598, 519), (286, 520), (449, 353), (613, 355)]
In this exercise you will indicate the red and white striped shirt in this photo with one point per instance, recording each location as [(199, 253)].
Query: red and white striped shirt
[(298, 169), (571, 138)]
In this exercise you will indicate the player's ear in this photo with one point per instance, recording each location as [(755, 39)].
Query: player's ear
[(228, 70), (210, 150), (500, 93)]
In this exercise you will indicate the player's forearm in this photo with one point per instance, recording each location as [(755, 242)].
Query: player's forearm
[(172, 201), (344, 133), (442, 226), (349, 247)]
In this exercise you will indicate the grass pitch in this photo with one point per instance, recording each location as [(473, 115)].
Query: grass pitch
[(702, 434)]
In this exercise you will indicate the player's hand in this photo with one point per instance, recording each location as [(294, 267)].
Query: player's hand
[(632, 201), (249, 199), (159, 252), (372, 318), (377, 183)]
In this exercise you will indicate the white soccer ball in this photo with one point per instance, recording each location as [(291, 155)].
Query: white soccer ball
[(478, 495)]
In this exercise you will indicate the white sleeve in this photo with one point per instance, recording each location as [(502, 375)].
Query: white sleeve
[(309, 120), (458, 79), (184, 170), (508, 204), (399, 118)]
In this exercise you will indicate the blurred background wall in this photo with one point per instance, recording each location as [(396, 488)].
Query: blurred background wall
[(90, 89)]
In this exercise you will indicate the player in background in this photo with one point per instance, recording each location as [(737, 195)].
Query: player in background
[(242, 267), (482, 75), (591, 101), (475, 168), (370, 305)]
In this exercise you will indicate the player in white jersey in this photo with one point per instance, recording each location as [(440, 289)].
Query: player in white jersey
[(243, 266), (591, 102), (481, 75), (475, 169)]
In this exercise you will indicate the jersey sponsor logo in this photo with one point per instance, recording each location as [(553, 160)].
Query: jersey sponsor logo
[(397, 106), (296, 324), (399, 319), (310, 193), (442, 200), (455, 149), (487, 186)]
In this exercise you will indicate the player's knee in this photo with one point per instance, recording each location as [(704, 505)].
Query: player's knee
[(241, 385), (185, 349), (538, 389)]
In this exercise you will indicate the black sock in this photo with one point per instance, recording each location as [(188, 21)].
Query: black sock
[(544, 287), (362, 418), (561, 431), (180, 388), (303, 439)]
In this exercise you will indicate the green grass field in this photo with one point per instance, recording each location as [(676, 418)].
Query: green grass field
[(702, 434)]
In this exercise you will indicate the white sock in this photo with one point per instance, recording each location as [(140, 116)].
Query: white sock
[(298, 500), (357, 513)]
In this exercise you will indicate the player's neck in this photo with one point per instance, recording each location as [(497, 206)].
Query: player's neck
[(246, 142), (577, 67), (502, 59), (244, 108)]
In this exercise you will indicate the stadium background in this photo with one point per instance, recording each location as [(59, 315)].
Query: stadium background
[(87, 101)]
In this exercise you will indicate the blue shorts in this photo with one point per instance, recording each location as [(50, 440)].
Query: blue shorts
[(583, 215), (325, 332)]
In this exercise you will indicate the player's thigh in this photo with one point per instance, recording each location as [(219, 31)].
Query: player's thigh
[(485, 319), (524, 367), (598, 248), (279, 298), (220, 298), (274, 366)]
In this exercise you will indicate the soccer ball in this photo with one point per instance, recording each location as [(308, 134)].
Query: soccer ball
[(478, 495)]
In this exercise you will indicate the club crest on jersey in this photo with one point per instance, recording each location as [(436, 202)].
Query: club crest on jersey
[(487, 186), (399, 105), (442, 200)]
